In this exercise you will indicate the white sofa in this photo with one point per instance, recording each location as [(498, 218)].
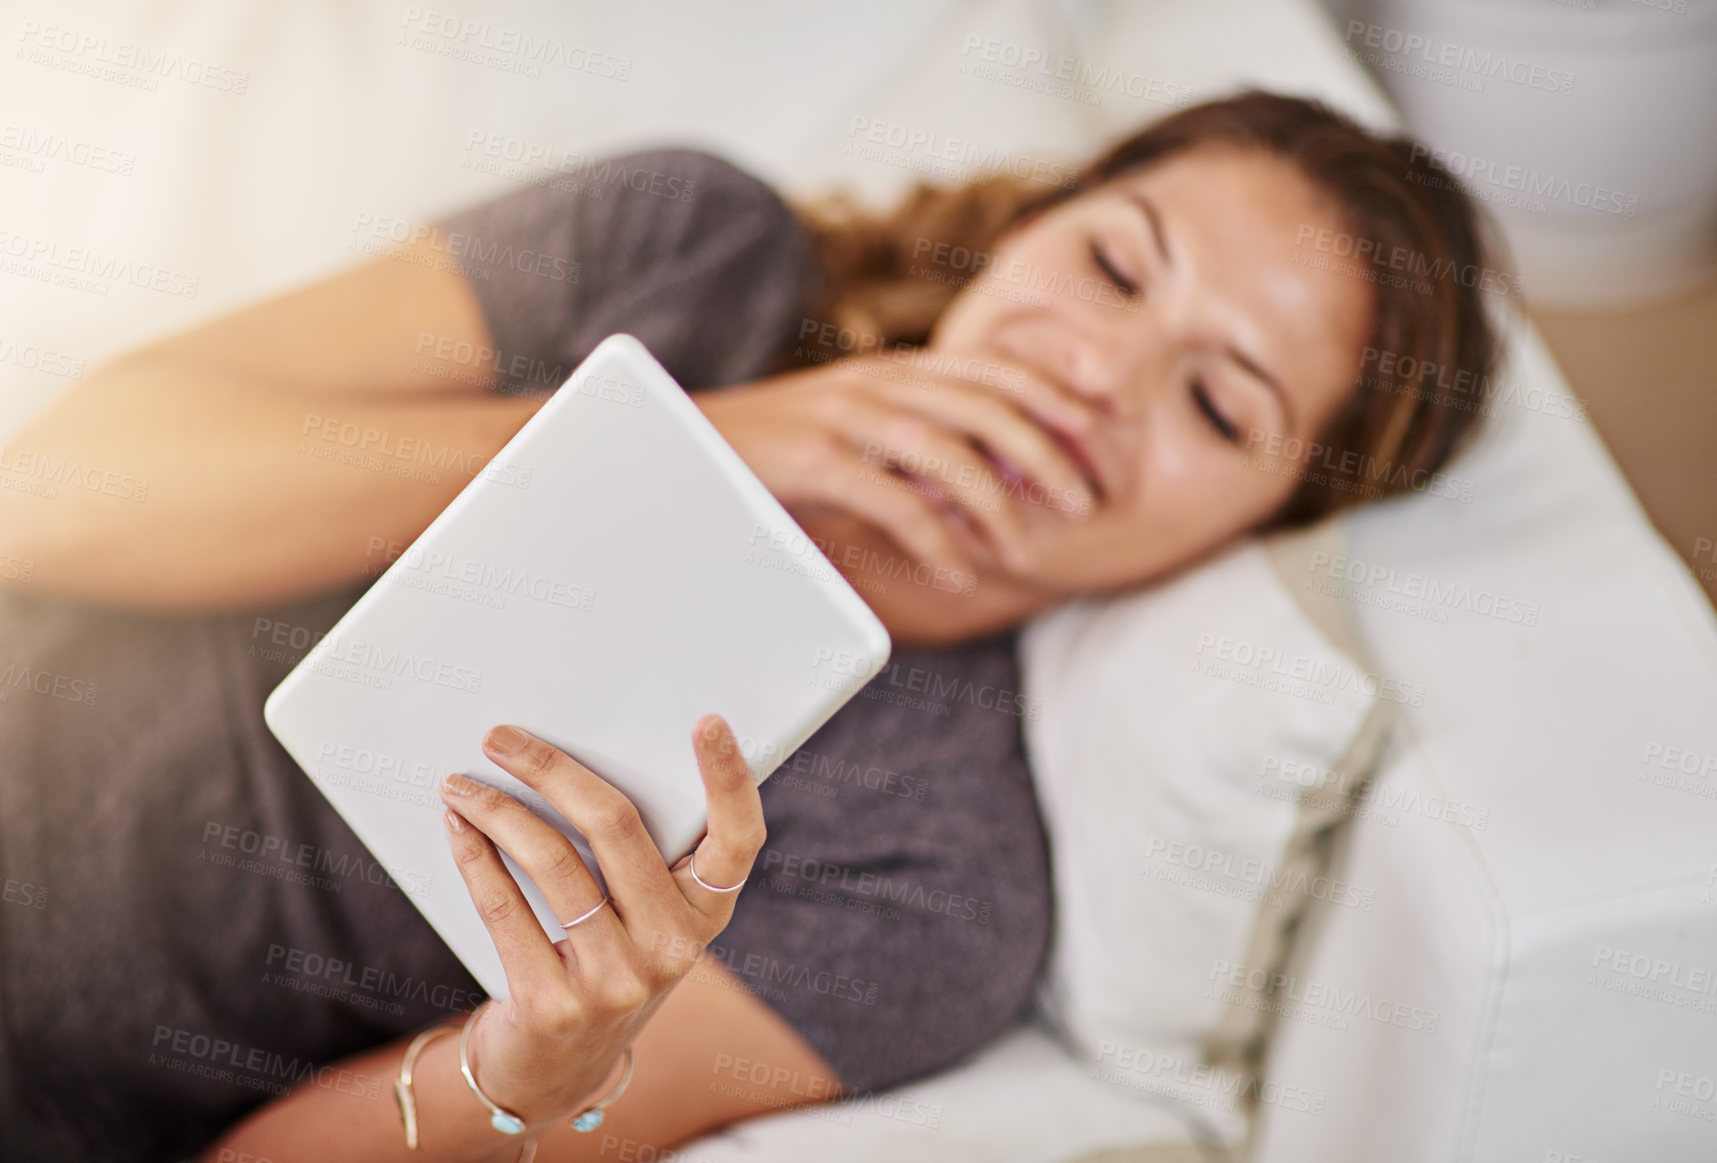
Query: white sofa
[(1566, 938)]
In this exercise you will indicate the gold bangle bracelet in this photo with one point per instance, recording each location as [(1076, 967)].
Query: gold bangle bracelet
[(402, 1093), (407, 1100)]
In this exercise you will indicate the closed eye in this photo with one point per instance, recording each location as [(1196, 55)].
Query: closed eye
[(1128, 287), (1229, 432)]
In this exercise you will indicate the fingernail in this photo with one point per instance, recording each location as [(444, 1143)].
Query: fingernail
[(458, 785), (504, 740), (453, 820)]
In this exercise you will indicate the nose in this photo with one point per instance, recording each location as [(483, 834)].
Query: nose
[(1099, 368)]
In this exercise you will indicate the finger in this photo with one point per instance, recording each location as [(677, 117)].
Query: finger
[(1040, 395), (1065, 415), (951, 468), (736, 830), (546, 856), (946, 466), (1017, 395), (909, 520), (1007, 431), (1047, 401), (636, 872), (528, 957)]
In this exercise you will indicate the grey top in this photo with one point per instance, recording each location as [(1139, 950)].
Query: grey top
[(188, 929)]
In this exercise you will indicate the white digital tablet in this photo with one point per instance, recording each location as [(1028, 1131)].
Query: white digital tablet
[(614, 573)]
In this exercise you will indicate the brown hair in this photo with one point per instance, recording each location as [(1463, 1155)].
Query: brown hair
[(1429, 249)]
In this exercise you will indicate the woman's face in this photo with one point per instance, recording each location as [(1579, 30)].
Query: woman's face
[(1172, 301)]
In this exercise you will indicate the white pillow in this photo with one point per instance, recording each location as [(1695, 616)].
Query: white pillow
[(1199, 741)]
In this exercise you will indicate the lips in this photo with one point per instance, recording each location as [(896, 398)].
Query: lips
[(1076, 450), (1080, 453)]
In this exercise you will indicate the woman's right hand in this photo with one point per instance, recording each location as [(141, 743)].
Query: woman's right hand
[(940, 463)]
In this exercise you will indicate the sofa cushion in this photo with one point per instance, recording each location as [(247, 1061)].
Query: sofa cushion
[(1200, 740)]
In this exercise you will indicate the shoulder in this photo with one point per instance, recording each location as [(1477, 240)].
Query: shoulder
[(704, 262), (701, 260), (666, 205), (683, 176)]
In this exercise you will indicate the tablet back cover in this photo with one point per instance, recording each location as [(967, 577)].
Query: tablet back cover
[(614, 573)]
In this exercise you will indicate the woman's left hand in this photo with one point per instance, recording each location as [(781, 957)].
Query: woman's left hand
[(576, 1003)]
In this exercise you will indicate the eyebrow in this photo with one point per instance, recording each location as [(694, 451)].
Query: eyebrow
[(1155, 219)]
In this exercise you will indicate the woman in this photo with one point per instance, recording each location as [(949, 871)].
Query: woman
[(990, 400)]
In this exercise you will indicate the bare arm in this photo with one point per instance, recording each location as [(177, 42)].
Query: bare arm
[(292, 447), (260, 456), (711, 1055), (634, 974)]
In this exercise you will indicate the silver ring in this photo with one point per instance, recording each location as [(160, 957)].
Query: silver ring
[(693, 865), (600, 905)]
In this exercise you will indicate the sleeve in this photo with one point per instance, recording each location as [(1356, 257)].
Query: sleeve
[(900, 912), (701, 261)]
